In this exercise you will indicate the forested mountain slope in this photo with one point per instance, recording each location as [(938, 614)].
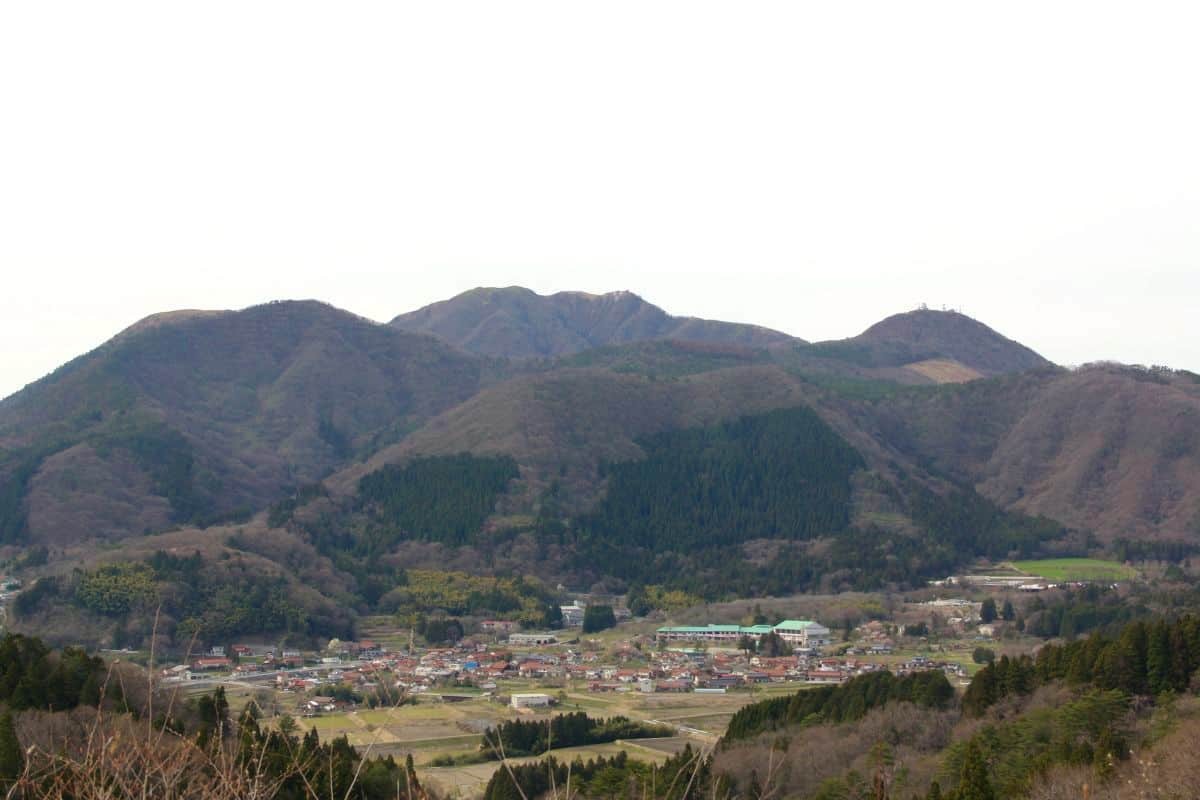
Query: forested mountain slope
[(185, 418), (337, 453), (1109, 449)]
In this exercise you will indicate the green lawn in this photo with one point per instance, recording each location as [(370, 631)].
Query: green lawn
[(1077, 569)]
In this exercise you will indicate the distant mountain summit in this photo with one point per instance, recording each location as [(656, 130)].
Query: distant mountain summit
[(584, 439), (515, 322), (957, 336), (943, 346)]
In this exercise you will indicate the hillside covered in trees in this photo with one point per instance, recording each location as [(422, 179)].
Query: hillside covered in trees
[(336, 455)]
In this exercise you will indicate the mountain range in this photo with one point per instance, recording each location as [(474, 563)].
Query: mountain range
[(251, 435)]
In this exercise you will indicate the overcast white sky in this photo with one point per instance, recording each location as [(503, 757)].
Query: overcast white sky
[(812, 167)]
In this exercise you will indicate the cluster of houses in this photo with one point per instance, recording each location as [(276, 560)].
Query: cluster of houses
[(689, 664), (634, 666), (700, 671)]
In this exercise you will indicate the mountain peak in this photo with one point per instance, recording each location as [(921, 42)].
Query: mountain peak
[(515, 322), (926, 334)]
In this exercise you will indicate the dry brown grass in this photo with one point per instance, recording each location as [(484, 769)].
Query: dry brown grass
[(944, 370)]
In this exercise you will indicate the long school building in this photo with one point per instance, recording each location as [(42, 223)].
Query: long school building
[(797, 632)]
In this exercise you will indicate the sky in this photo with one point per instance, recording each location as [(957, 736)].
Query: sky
[(812, 167)]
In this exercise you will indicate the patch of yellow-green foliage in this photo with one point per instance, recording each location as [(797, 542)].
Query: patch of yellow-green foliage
[(1077, 569), (670, 599), (522, 598), (117, 588)]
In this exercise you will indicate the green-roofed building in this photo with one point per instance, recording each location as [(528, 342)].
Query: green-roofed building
[(798, 632)]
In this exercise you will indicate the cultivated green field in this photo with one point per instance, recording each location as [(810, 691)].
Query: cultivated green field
[(1077, 569)]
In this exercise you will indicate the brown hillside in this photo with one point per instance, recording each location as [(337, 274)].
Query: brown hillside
[(517, 323), (1110, 450), (560, 426), (270, 397), (1114, 450)]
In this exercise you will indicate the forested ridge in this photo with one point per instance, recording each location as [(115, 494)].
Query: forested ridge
[(680, 516), (515, 738), (844, 703), (684, 776), (1144, 658), (212, 601)]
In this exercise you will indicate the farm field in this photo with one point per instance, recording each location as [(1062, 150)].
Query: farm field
[(1076, 569), (433, 729)]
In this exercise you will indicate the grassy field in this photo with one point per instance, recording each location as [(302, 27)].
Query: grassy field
[(1077, 569)]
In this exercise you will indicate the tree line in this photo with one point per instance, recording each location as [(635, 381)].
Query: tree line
[(684, 776), (32, 676), (533, 737), (304, 768), (1144, 658), (214, 600), (842, 703)]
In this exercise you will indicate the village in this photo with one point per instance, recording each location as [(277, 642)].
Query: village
[(517, 672), (396, 690)]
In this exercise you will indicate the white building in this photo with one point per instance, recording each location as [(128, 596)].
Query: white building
[(572, 615), (531, 701), (532, 639), (803, 633)]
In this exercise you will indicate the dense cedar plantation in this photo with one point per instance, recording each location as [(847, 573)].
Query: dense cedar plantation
[(845, 703), (965, 522), (520, 738), (1145, 658), (34, 677), (782, 475), (684, 776), (686, 510), (440, 499)]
